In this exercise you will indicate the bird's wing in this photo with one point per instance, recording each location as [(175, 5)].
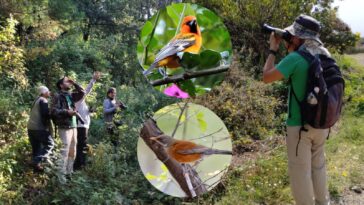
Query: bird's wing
[(195, 150), (203, 150), (177, 44)]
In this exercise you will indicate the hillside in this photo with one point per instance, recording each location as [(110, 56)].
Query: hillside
[(44, 40)]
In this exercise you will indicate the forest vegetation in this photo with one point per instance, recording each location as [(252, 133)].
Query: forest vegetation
[(43, 40)]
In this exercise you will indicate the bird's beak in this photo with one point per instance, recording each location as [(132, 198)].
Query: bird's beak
[(192, 23)]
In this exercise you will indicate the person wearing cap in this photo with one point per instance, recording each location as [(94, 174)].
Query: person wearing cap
[(307, 169), (82, 128), (65, 118), (39, 129)]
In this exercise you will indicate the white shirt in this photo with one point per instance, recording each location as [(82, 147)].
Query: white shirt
[(82, 107)]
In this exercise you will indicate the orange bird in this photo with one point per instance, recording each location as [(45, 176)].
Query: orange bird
[(185, 151), (189, 39)]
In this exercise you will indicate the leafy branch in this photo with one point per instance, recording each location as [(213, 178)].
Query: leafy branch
[(150, 38)]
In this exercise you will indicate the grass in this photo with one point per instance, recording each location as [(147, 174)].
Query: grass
[(359, 57), (345, 156), (265, 181)]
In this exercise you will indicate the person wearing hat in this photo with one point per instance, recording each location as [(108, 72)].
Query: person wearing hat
[(65, 118), (307, 169), (39, 129)]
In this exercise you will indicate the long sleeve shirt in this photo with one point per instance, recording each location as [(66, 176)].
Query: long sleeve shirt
[(109, 110), (39, 116), (82, 108)]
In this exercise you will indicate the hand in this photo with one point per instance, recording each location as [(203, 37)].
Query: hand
[(96, 75), (274, 42), (71, 81), (71, 112), (117, 104)]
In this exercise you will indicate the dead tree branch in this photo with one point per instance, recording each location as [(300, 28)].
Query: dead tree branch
[(150, 129), (189, 75)]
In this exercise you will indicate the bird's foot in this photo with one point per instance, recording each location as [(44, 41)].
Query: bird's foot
[(157, 141), (163, 72), (194, 166), (165, 160)]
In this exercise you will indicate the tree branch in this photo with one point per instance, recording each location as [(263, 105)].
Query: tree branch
[(189, 75), (150, 129), (179, 118)]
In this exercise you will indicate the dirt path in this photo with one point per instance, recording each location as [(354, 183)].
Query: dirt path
[(359, 57)]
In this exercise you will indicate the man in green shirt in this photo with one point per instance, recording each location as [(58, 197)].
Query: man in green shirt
[(307, 170)]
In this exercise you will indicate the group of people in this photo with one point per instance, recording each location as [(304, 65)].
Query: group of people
[(71, 117)]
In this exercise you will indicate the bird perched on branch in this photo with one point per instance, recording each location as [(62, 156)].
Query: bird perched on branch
[(184, 151), (188, 40)]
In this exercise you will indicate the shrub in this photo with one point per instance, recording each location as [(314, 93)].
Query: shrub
[(245, 105)]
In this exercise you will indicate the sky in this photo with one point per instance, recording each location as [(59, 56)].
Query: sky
[(352, 13)]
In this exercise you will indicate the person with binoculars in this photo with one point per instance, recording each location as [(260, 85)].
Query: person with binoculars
[(306, 162), (65, 117), (111, 106)]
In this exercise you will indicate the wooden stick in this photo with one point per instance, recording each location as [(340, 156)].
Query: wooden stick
[(150, 129), (189, 75)]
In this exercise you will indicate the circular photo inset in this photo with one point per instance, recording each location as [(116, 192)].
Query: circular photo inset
[(184, 150), (184, 50)]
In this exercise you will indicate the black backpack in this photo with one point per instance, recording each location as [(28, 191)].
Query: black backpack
[(321, 106)]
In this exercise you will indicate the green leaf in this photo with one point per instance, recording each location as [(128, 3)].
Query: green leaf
[(190, 60), (209, 59), (206, 59), (188, 86), (144, 34), (201, 121)]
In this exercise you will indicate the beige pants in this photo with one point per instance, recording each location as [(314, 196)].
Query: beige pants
[(68, 151), (307, 170)]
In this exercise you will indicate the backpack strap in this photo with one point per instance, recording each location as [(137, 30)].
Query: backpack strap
[(301, 112), (307, 56)]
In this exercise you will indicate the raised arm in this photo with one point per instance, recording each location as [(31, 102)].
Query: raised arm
[(270, 73), (79, 92), (89, 86)]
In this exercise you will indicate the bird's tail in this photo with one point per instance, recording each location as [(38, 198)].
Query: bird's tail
[(217, 151), (149, 71)]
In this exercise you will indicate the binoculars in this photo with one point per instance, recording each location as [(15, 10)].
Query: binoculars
[(285, 35), (122, 106)]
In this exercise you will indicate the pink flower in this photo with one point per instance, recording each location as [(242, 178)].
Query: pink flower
[(175, 91)]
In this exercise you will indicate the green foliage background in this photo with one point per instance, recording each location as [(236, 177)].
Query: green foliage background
[(42, 40)]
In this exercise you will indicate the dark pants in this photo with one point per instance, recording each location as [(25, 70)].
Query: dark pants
[(81, 152), (42, 144), (112, 130)]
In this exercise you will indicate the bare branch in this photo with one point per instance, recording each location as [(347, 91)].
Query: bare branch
[(179, 119), (150, 129), (189, 75)]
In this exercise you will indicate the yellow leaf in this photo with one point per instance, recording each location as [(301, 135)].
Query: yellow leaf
[(150, 176), (164, 167), (163, 177), (345, 174)]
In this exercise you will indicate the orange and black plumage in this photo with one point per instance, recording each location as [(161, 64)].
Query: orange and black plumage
[(189, 39)]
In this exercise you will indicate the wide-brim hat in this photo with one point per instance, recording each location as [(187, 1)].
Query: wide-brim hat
[(305, 27)]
